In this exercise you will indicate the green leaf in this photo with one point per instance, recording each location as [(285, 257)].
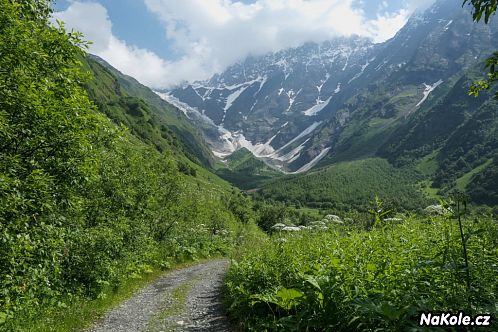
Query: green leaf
[(312, 281), (371, 267), (289, 294)]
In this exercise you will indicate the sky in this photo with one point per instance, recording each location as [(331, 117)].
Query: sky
[(163, 43)]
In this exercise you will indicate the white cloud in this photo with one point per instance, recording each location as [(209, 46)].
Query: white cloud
[(386, 26), (148, 68), (92, 20), (213, 34)]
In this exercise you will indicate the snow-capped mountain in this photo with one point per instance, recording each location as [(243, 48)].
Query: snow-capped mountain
[(296, 107)]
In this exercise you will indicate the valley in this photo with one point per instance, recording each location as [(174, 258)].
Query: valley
[(346, 184), (349, 99)]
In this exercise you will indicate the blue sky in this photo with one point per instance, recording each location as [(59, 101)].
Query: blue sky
[(166, 42), (132, 22)]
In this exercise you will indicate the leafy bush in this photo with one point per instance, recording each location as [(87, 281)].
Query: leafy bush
[(350, 279), (84, 204)]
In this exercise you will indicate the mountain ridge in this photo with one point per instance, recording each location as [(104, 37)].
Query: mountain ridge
[(349, 99), (265, 103)]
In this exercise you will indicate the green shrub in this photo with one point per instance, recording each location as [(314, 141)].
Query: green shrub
[(351, 279)]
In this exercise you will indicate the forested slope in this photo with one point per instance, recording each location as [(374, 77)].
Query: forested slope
[(349, 186), (84, 203), (150, 118)]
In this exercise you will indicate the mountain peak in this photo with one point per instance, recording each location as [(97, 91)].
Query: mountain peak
[(297, 107)]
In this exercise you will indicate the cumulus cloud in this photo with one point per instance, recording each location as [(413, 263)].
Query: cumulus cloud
[(213, 34), (92, 19)]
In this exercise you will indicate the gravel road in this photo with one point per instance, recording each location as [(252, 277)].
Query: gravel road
[(182, 300)]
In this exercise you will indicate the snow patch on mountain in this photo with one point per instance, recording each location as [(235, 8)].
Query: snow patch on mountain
[(236, 140), (428, 90), (305, 132), (447, 26), (292, 98), (262, 83), (338, 88), (293, 154), (313, 162), (185, 108), (321, 104), (363, 67), (232, 97)]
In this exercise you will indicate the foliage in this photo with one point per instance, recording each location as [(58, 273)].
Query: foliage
[(245, 171), (347, 186), (484, 187), (378, 211), (351, 279), (488, 8), (458, 135), (85, 204), (154, 121)]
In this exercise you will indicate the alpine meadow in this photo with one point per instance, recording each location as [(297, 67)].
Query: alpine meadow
[(346, 183)]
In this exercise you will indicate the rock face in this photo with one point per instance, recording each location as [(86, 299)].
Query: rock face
[(308, 105)]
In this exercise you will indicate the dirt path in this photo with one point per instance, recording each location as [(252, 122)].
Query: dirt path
[(183, 300)]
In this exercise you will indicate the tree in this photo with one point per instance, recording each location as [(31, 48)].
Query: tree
[(486, 8)]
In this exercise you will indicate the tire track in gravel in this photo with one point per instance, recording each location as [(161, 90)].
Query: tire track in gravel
[(187, 299)]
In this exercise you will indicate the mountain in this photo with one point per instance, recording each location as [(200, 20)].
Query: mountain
[(246, 171), (153, 120), (272, 104), (404, 100)]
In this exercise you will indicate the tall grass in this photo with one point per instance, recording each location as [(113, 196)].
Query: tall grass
[(352, 279)]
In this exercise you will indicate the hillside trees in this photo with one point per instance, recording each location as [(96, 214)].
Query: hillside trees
[(83, 203), (486, 8)]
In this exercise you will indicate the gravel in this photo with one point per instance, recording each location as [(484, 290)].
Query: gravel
[(188, 299)]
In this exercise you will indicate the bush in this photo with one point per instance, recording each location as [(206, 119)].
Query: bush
[(350, 279)]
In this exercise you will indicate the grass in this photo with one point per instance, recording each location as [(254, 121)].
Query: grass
[(464, 180), (428, 165), (82, 313), (178, 299), (347, 278), (410, 91), (429, 191)]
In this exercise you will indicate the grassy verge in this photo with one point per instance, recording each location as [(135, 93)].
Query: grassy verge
[(82, 313)]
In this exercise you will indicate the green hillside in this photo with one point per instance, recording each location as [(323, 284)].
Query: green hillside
[(246, 171), (86, 204), (156, 122), (457, 132), (349, 185)]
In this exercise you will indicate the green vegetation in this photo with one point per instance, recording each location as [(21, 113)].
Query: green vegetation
[(102, 187), (246, 171), (488, 8), (484, 188), (349, 185), (464, 180), (82, 312), (347, 278), (449, 139), (87, 205), (157, 123), (428, 165)]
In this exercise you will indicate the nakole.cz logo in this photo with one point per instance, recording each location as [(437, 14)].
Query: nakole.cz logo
[(449, 319)]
